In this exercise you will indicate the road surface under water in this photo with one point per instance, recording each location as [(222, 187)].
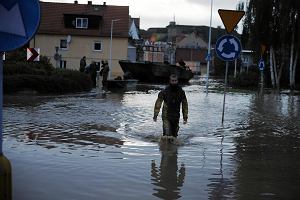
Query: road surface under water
[(92, 146)]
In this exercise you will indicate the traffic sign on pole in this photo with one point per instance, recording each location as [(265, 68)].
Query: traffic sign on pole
[(19, 21), (228, 47), (261, 64), (208, 57), (33, 54), (230, 18)]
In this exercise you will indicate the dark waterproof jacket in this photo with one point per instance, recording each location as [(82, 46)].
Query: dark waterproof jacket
[(104, 71), (172, 99), (82, 65)]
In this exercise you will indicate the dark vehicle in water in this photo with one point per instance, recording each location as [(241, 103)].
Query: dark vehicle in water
[(152, 72)]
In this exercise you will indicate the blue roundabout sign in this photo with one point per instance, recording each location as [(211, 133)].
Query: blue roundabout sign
[(19, 21), (261, 64), (228, 47)]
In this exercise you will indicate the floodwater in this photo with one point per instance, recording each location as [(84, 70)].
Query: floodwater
[(94, 147)]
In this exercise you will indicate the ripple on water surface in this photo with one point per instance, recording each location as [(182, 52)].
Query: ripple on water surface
[(84, 146)]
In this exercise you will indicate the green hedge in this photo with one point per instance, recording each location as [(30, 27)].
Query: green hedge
[(43, 67), (53, 84), (42, 77)]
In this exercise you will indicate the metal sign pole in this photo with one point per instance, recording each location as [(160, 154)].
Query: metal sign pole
[(261, 82), (5, 166), (225, 90), (26, 20), (209, 47), (235, 63), (261, 67), (1, 98)]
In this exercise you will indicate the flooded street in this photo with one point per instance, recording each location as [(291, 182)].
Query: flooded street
[(91, 146)]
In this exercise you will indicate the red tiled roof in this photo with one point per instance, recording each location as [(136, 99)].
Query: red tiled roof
[(52, 19)]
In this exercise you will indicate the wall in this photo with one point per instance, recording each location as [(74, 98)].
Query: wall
[(82, 46)]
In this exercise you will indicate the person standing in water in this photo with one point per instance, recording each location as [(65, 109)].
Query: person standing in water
[(104, 73), (172, 96), (82, 64)]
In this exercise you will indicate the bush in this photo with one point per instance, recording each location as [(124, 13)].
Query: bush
[(41, 76), (245, 80), (53, 84), (43, 67)]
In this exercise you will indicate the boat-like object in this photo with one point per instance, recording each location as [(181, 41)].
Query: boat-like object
[(152, 72)]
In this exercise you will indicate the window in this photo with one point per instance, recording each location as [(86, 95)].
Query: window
[(97, 46), (63, 44), (82, 23), (63, 64)]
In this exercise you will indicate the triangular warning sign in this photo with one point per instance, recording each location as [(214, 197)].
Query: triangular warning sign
[(230, 18)]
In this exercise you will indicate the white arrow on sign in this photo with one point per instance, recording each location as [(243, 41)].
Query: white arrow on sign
[(231, 55), (15, 24), (235, 44), (220, 47)]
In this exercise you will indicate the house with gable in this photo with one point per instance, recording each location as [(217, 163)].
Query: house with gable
[(193, 50), (69, 31)]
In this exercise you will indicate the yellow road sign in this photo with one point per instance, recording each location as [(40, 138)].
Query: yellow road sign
[(230, 18), (263, 49)]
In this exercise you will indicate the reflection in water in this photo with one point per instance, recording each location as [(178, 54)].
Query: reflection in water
[(51, 136), (167, 177), (268, 151), (220, 187), (218, 184)]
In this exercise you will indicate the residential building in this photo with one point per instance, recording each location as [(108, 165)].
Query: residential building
[(190, 43), (192, 49), (69, 31)]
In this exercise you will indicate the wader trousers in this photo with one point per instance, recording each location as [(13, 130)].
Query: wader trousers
[(170, 127)]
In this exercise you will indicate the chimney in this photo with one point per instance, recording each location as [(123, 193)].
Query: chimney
[(75, 2), (89, 3), (172, 23)]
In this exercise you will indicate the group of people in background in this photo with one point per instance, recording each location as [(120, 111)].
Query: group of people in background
[(92, 70)]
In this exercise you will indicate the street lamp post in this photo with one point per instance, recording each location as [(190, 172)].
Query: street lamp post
[(209, 47), (110, 45)]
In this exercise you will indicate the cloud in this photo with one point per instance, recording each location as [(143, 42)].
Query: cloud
[(219, 4), (158, 13)]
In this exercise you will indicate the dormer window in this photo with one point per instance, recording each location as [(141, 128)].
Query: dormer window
[(87, 22), (82, 23)]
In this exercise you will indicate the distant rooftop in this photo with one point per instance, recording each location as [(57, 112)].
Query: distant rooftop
[(52, 18)]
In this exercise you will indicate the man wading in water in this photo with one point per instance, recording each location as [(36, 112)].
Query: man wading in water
[(172, 96)]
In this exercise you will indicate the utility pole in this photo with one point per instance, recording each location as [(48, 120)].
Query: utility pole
[(209, 48), (110, 46)]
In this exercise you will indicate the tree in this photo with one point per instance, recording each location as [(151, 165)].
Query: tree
[(274, 23)]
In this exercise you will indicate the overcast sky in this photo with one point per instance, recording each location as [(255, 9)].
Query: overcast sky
[(158, 13)]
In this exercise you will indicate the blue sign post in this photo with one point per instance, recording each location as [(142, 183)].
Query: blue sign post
[(228, 48), (19, 21), (261, 66)]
